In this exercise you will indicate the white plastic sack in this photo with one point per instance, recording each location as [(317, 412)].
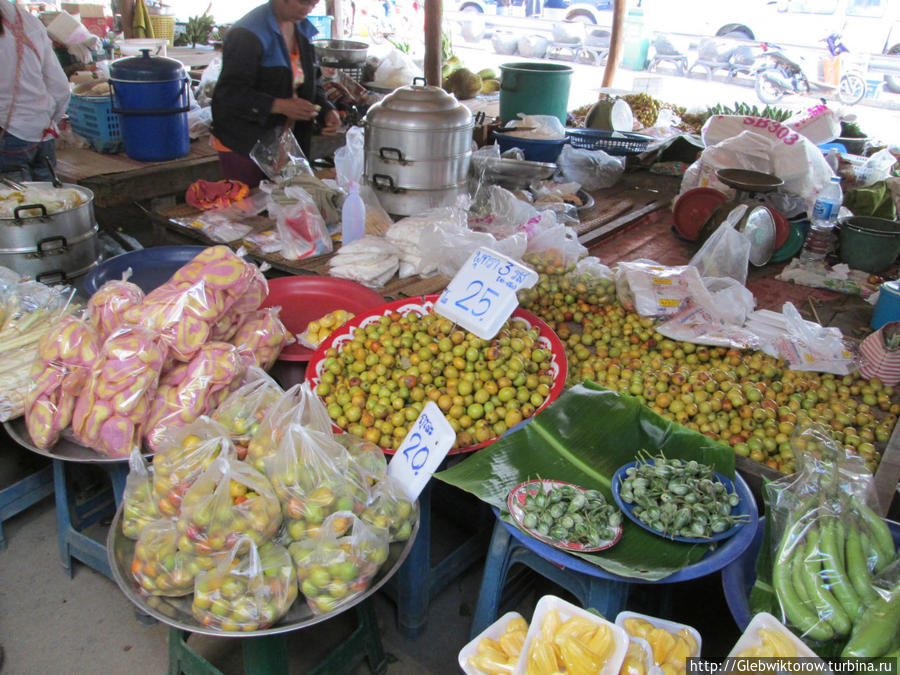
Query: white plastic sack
[(545, 127), (693, 323), (593, 169), (657, 290), (727, 252), (369, 260), (208, 81), (396, 70), (349, 159), (451, 244), (499, 212), (818, 124), (406, 236)]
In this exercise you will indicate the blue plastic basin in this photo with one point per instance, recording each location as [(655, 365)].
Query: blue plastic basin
[(151, 267)]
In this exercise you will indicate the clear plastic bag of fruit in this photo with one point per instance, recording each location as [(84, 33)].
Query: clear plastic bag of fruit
[(313, 476), (250, 589), (391, 508), (158, 567), (138, 505), (107, 306), (263, 335), (244, 409), (369, 457), (228, 501), (317, 330), (554, 249), (183, 454), (340, 562)]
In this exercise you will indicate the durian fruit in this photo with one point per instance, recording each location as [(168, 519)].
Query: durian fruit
[(488, 74), (463, 83), (489, 86)]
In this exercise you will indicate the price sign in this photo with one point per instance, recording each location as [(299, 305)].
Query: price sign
[(425, 446), (482, 295)]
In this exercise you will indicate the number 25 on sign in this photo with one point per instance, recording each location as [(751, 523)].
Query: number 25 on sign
[(425, 446), (482, 295)]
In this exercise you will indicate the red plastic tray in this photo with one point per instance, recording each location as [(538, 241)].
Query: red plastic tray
[(423, 305), (305, 298), (782, 227), (693, 209)]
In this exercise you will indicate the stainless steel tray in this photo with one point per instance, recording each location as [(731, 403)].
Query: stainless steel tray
[(341, 53), (517, 173), (66, 448), (176, 612)]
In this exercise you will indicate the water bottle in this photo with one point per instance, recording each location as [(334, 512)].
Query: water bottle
[(353, 216), (822, 221)]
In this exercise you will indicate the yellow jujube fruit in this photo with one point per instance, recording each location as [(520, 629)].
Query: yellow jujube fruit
[(542, 657), (638, 627), (578, 659)]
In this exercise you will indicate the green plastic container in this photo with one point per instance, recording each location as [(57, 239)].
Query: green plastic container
[(534, 89), (636, 42), (869, 244)]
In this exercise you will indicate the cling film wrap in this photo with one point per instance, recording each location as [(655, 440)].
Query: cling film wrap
[(243, 410), (313, 477), (186, 309), (183, 454), (113, 405), (827, 541), (250, 589), (877, 631), (66, 355), (138, 506), (390, 508), (228, 501), (158, 567), (338, 563), (196, 389), (107, 306), (263, 335)]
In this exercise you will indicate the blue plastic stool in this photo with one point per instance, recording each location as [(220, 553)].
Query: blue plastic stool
[(22, 494), (72, 518), (267, 654)]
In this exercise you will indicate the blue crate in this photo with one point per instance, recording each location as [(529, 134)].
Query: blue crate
[(93, 118), (323, 25), (612, 143)]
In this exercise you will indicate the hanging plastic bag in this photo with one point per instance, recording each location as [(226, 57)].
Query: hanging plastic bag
[(369, 458), (593, 169), (277, 153), (250, 589), (138, 506), (243, 409), (555, 247), (340, 562), (396, 70), (158, 567), (300, 225), (106, 307), (390, 509), (727, 252), (349, 159), (228, 501), (183, 455)]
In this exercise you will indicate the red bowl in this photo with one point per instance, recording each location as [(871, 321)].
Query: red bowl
[(423, 305), (692, 209), (782, 227), (306, 298)]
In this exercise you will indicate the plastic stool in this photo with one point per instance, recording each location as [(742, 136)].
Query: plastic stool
[(22, 494), (72, 517), (267, 654), (607, 596), (417, 582)]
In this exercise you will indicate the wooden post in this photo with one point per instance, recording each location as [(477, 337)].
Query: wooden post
[(433, 17), (126, 9), (615, 43), (337, 9)]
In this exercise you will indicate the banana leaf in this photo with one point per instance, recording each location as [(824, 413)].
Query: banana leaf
[(584, 437)]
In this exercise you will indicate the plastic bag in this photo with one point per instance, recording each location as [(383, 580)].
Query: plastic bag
[(876, 168), (250, 589), (189, 390), (300, 226), (278, 155), (106, 307), (138, 505), (183, 455), (727, 252), (450, 243), (340, 563), (66, 355), (396, 70), (390, 509), (652, 289), (208, 80), (371, 261), (318, 330), (349, 159), (158, 567), (806, 345), (369, 458), (113, 406), (875, 631), (263, 336), (220, 228), (593, 169), (501, 213), (555, 247), (313, 476), (407, 234), (243, 409), (229, 501), (547, 127), (697, 324)]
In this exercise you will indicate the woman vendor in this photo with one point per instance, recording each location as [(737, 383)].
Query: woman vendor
[(269, 79)]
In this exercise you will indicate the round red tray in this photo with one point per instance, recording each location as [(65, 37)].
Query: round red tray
[(423, 305), (782, 227), (306, 298), (693, 209)]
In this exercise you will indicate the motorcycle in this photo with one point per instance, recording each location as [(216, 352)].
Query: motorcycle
[(778, 73)]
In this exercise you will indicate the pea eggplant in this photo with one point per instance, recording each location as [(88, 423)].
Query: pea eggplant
[(568, 514)]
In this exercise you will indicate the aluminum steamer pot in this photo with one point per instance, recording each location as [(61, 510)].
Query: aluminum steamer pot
[(418, 145), (51, 247)]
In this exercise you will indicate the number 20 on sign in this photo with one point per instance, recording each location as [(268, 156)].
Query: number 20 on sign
[(482, 295), (425, 446)]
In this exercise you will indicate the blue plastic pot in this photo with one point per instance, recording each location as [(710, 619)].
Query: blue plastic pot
[(150, 267), (150, 93)]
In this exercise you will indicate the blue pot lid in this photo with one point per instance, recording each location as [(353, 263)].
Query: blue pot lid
[(146, 68), (892, 287)]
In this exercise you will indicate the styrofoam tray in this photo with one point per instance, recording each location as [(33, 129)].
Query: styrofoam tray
[(750, 637), (494, 631), (671, 626), (649, 667), (566, 611)]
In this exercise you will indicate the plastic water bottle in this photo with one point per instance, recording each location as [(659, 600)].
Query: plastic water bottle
[(822, 221), (353, 216)]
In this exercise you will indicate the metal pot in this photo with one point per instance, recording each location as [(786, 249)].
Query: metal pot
[(51, 247), (418, 146), (341, 53)]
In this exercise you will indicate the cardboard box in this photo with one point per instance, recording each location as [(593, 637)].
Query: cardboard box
[(98, 25), (86, 10)]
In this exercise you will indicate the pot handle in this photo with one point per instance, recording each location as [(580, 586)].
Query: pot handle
[(508, 81), (381, 181), (52, 277), (30, 207), (54, 244), (384, 152), (421, 80)]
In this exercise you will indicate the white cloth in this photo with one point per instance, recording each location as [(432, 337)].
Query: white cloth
[(43, 90)]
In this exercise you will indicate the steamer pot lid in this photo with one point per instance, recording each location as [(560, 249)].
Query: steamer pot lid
[(420, 108), (146, 68)]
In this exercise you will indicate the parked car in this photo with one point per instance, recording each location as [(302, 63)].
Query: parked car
[(591, 12)]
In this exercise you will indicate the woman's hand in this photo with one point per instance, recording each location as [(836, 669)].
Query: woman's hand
[(295, 108), (332, 123)]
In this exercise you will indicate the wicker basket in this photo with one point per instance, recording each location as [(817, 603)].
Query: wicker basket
[(163, 27)]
